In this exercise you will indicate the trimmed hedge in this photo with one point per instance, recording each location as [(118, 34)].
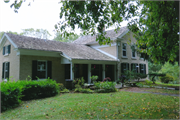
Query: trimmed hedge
[(13, 92)]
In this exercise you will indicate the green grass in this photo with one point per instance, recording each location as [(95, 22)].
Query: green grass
[(119, 105), (165, 84), (154, 90)]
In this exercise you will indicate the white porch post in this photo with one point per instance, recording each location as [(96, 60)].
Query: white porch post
[(89, 73), (103, 72), (72, 73)]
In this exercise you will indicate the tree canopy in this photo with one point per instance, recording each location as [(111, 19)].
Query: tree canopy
[(156, 29), (68, 39)]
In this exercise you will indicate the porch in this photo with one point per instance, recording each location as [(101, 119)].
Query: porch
[(87, 68)]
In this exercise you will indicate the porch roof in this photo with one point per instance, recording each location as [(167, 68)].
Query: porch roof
[(74, 51)]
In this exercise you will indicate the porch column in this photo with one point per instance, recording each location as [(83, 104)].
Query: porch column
[(103, 72), (89, 73), (71, 70), (115, 76)]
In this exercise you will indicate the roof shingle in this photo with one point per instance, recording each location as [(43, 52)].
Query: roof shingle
[(92, 39), (74, 51)]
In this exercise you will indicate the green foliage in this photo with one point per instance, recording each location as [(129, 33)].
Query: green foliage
[(166, 79), (147, 82), (158, 29), (67, 39), (153, 68), (94, 77), (13, 92), (139, 84), (61, 86), (10, 95), (172, 70), (38, 33), (65, 91), (106, 86), (79, 81)]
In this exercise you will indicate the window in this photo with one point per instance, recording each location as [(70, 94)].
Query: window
[(143, 68), (133, 52), (124, 67), (124, 49), (134, 67), (5, 70), (6, 50), (41, 69)]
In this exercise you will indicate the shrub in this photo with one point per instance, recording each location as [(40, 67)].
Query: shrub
[(139, 84), (39, 89), (10, 95), (61, 86), (106, 86), (94, 78), (65, 91), (147, 82), (166, 79), (172, 70), (79, 81)]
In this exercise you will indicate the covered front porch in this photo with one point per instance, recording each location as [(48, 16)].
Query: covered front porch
[(87, 68)]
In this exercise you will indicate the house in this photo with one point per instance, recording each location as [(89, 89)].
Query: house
[(22, 56)]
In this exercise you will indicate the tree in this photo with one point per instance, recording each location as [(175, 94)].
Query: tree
[(157, 28), (38, 33), (2, 33), (68, 39)]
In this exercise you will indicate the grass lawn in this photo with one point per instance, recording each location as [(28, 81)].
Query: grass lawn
[(119, 105)]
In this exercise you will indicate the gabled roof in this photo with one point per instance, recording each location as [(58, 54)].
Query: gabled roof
[(110, 33), (74, 51)]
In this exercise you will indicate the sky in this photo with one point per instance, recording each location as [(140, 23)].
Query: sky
[(39, 15)]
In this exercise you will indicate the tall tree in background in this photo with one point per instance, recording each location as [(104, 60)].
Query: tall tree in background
[(67, 39), (2, 33), (38, 33)]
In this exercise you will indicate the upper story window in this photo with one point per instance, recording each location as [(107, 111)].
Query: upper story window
[(7, 50), (133, 52), (124, 50)]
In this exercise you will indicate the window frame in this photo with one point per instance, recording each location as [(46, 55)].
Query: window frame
[(142, 68), (42, 70), (124, 49)]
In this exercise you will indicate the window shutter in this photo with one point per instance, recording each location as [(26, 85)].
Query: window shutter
[(49, 69), (9, 49), (122, 65), (144, 68), (34, 69), (8, 66), (3, 50), (131, 66), (3, 70)]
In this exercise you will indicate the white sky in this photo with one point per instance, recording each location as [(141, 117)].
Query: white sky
[(40, 15)]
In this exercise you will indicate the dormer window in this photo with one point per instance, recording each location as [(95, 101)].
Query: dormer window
[(6, 50), (124, 50)]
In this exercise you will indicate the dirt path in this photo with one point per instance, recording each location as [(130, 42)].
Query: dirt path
[(143, 90)]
